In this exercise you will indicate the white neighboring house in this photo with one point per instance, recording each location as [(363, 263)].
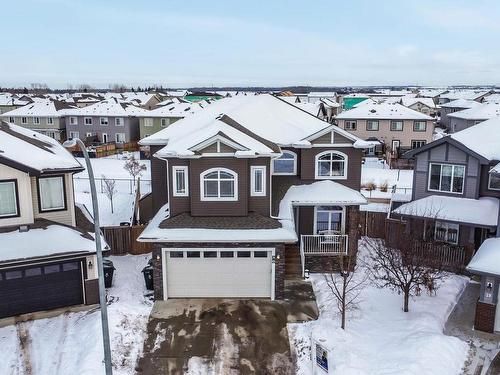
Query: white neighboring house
[(469, 117), (422, 105), (451, 95), (46, 248)]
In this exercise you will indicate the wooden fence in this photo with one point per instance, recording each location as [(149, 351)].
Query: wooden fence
[(372, 224), (123, 240)]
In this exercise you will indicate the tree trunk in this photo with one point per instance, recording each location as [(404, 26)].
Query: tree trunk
[(406, 300), (112, 208), (343, 301)]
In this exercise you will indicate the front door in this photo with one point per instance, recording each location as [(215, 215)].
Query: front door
[(328, 220), (104, 138), (396, 143)]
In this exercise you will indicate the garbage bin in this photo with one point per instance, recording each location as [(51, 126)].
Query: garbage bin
[(148, 277), (109, 270)]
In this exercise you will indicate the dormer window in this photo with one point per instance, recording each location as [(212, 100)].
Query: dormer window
[(286, 164), (8, 199), (219, 184), (51, 193), (331, 165)]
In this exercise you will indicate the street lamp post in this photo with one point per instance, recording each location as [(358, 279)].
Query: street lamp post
[(100, 267)]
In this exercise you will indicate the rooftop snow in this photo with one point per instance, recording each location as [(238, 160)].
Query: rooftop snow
[(408, 101), (487, 258), (109, 107), (172, 110), (382, 111), (481, 112), (34, 150), (482, 138), (463, 94), (461, 103), (482, 211), (40, 108)]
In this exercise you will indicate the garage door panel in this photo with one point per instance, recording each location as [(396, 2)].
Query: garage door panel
[(219, 277)]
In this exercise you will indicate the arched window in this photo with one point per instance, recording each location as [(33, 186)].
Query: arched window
[(286, 164), (219, 184), (331, 165)]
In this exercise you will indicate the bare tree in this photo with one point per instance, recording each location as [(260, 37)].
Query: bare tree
[(346, 285), (134, 167), (109, 190), (405, 269)]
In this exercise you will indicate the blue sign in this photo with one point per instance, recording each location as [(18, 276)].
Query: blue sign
[(322, 357)]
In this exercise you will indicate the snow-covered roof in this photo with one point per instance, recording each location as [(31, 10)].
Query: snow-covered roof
[(141, 97), (461, 103), (431, 93), (495, 169), (7, 98), (482, 138), (384, 111), (172, 110), (463, 94), (409, 100), (312, 108), (330, 103), (109, 107), (34, 150), (495, 97), (40, 108), (487, 258), (53, 239), (482, 211), (322, 94), (154, 233), (481, 112), (257, 122)]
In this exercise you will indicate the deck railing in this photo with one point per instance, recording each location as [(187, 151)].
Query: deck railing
[(323, 244)]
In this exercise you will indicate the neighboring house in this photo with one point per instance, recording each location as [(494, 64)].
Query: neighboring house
[(317, 109), (46, 261), (162, 116), (199, 96), (451, 95), (46, 116), (107, 121), (314, 97), (432, 93), (349, 101), (422, 105), (446, 109), (469, 117), (247, 192), (395, 126), (9, 101), (456, 190), (81, 100), (144, 100)]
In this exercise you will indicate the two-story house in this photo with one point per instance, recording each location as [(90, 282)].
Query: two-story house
[(46, 116), (396, 127), (46, 260), (248, 191), (449, 108), (456, 190), (469, 117), (422, 105), (110, 120)]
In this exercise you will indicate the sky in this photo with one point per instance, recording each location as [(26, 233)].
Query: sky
[(188, 43)]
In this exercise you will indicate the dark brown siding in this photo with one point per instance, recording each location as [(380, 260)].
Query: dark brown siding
[(260, 204), (306, 220), (483, 187), (207, 208), (158, 180), (179, 204)]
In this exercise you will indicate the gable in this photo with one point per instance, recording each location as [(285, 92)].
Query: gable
[(331, 137), (217, 147)]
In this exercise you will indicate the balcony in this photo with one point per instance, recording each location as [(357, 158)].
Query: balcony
[(324, 244)]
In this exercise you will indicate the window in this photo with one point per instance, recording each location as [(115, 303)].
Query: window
[(24, 120), (397, 126), (120, 137), (372, 125), (419, 126), (51, 193), (219, 184), (447, 178), (258, 181), (331, 164), (417, 144), (244, 254), (446, 232), (164, 122), (227, 254), (29, 272), (193, 254), (10, 275), (103, 121), (148, 122), (328, 219), (494, 181), (286, 164), (11, 119), (8, 199), (70, 266), (350, 125), (73, 120), (36, 120), (50, 134), (260, 254), (210, 254), (118, 121), (177, 254), (50, 120), (87, 120), (53, 268), (180, 181)]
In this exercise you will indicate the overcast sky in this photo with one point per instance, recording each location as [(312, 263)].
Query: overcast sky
[(231, 42)]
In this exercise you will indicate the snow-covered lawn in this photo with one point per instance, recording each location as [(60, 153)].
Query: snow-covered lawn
[(72, 343), (112, 167), (375, 171), (379, 337)]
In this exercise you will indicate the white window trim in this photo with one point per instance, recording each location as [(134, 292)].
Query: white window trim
[(119, 121), (24, 120), (74, 133), (63, 207), (148, 122), (16, 196), (447, 225), (202, 186), (489, 182), (73, 120), (161, 122), (253, 192), (176, 168), (49, 120), (286, 173), (85, 121), (343, 211), (105, 135), (38, 121), (316, 170), (441, 177), (116, 138), (350, 122), (101, 121)]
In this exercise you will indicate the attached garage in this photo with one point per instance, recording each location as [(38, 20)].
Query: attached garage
[(40, 287), (218, 273)]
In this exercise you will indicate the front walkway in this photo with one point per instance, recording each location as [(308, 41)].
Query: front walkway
[(483, 346), (226, 336)]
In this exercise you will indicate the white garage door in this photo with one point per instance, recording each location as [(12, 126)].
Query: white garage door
[(218, 273)]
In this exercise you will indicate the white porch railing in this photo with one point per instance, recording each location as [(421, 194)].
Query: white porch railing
[(322, 244)]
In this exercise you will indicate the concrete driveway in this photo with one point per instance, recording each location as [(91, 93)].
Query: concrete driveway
[(225, 336)]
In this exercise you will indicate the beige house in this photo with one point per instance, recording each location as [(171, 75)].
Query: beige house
[(395, 126)]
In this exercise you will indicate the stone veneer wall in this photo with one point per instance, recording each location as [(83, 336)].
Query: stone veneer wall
[(485, 317)]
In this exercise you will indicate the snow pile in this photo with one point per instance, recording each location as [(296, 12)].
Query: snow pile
[(487, 258), (379, 337), (482, 211), (71, 343)]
